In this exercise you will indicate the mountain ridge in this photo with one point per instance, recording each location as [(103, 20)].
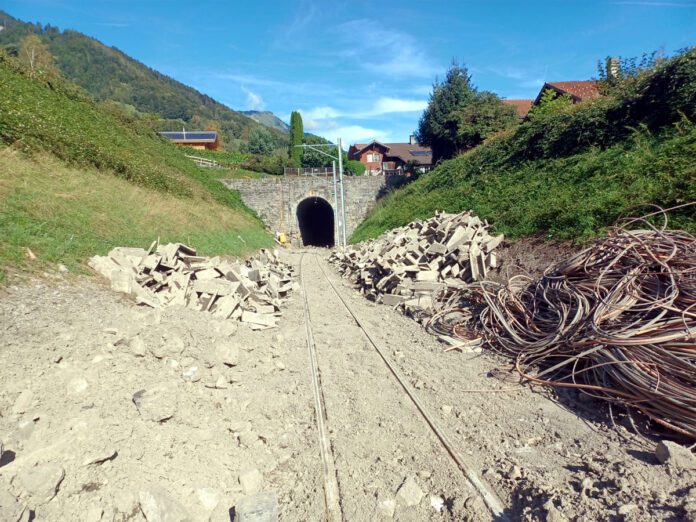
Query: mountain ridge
[(107, 73)]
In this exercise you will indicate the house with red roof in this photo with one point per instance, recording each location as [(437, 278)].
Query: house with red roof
[(577, 90), (521, 106), (383, 158)]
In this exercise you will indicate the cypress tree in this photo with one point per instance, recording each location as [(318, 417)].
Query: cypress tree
[(296, 138)]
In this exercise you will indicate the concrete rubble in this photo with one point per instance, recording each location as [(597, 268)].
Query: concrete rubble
[(173, 274), (410, 266)]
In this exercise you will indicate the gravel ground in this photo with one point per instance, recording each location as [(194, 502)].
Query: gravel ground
[(114, 412)]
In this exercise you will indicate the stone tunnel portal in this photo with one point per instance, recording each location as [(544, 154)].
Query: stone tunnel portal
[(315, 218)]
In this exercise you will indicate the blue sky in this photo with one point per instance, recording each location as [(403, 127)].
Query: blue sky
[(363, 69)]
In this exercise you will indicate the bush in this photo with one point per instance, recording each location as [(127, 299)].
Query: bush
[(354, 168)]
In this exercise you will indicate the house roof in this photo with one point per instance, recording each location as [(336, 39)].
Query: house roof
[(578, 90), (521, 106), (404, 151), (191, 137)]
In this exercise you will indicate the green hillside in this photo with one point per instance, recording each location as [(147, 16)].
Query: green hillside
[(570, 174), (108, 74), (77, 178)]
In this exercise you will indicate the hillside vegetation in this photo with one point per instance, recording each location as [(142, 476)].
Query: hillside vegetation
[(570, 174), (77, 178), (108, 74)]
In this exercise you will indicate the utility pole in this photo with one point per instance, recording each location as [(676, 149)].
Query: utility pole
[(337, 223), (343, 191)]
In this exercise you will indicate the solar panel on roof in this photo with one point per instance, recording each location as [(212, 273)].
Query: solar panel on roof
[(420, 152), (181, 136)]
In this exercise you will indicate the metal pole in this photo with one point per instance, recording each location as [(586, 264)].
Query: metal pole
[(343, 192), (337, 224)]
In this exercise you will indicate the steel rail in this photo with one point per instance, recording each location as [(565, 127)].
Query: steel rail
[(331, 491), (488, 496)]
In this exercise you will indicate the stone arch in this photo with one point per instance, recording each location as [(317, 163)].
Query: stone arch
[(315, 220)]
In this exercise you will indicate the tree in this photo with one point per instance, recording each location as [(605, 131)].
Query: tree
[(354, 168), (312, 158), (550, 103), (35, 54), (260, 142), (458, 117), (486, 114), (296, 138)]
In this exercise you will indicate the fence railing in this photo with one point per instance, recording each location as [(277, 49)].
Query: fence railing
[(310, 171), (204, 162)]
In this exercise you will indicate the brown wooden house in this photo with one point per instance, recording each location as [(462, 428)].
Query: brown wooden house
[(382, 158)]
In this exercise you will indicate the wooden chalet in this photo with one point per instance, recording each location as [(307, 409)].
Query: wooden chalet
[(384, 158)]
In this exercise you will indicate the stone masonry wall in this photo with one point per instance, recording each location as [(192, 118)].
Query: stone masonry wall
[(275, 199)]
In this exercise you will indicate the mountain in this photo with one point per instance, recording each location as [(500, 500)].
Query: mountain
[(108, 74), (268, 119)]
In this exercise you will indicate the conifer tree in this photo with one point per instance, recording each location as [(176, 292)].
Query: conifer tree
[(296, 138)]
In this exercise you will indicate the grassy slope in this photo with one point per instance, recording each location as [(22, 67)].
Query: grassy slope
[(113, 182), (568, 176), (66, 214)]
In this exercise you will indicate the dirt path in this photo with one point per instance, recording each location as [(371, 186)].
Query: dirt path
[(106, 407)]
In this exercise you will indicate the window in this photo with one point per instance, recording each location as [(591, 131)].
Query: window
[(373, 158)]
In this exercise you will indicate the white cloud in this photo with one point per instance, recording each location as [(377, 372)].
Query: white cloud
[(321, 113), (380, 107), (386, 52), (352, 134), (254, 101), (387, 105)]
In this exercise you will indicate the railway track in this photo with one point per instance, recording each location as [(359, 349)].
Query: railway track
[(349, 410)]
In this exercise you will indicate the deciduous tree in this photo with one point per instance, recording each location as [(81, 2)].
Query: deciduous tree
[(36, 55)]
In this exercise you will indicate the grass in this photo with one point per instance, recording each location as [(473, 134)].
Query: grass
[(66, 215), (78, 178), (573, 197)]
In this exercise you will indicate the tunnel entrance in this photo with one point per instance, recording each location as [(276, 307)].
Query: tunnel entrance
[(315, 218)]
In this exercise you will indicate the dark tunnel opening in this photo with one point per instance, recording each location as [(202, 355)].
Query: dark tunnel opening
[(315, 218)]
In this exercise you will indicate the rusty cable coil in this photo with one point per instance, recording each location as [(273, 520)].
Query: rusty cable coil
[(616, 321)]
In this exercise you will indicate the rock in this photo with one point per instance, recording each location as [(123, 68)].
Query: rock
[(514, 473), (158, 506), (125, 503), (251, 481), (191, 374), (77, 385), (674, 455), (437, 502), (41, 482), (11, 510), (25, 428), (62, 268), (409, 493), (446, 409), (262, 507), (248, 439), (227, 352), (385, 507), (626, 509), (99, 456), (93, 514), (137, 347), (208, 497), (157, 404), (23, 402)]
